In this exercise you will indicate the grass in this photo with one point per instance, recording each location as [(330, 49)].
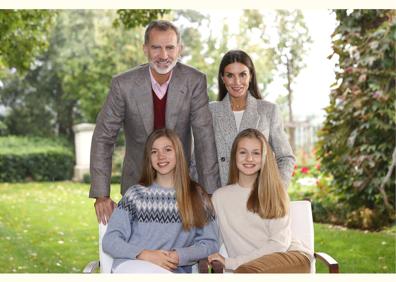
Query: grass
[(51, 227)]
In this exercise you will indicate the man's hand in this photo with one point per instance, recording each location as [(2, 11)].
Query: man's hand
[(218, 257), (160, 257), (104, 207)]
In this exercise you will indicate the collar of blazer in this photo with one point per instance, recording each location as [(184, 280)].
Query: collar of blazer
[(144, 99), (250, 118)]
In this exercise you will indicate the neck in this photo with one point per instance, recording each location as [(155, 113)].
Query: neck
[(247, 181), (239, 103), (165, 181), (160, 78)]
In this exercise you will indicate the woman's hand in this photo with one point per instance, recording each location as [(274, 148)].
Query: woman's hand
[(175, 256), (218, 257), (160, 258)]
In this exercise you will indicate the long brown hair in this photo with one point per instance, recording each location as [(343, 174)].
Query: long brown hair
[(268, 197), (237, 56), (193, 203)]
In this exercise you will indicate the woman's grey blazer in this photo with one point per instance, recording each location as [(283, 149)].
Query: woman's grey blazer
[(261, 115)]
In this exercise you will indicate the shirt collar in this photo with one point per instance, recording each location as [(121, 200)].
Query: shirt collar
[(159, 90)]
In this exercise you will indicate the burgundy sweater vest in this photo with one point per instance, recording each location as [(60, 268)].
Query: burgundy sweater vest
[(159, 110)]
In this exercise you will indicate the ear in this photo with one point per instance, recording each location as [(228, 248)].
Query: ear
[(145, 49), (181, 47)]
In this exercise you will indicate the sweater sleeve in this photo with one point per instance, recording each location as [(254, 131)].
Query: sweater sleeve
[(118, 233), (205, 243), (279, 240)]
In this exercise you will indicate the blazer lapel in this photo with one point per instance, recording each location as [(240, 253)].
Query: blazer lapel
[(144, 99), (251, 117), (226, 117), (176, 95)]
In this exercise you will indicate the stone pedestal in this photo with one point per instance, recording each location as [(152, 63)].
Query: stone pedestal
[(82, 139)]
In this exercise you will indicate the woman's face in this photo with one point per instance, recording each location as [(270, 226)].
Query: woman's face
[(249, 156), (236, 79), (163, 156)]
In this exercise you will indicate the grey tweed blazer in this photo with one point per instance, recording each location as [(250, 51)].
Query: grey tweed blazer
[(130, 105), (261, 115)]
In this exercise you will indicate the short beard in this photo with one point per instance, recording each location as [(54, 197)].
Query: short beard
[(163, 71)]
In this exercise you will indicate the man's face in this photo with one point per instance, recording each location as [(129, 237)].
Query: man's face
[(162, 50)]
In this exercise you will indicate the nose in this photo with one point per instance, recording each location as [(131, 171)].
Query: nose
[(163, 54), (161, 155), (236, 80), (249, 157)]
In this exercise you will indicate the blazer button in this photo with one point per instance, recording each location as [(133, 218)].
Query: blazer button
[(222, 159)]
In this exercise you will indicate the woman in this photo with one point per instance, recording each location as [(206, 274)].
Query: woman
[(253, 213), (240, 106), (165, 223)]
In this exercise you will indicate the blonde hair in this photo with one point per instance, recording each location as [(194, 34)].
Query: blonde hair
[(193, 203), (268, 197)]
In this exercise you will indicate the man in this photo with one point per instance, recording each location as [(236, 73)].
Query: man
[(162, 93)]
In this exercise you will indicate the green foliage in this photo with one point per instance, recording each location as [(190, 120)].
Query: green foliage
[(23, 35), (38, 159), (70, 80), (202, 50), (358, 136), (137, 17)]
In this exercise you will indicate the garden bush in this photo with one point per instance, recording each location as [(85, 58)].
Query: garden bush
[(358, 136), (34, 159)]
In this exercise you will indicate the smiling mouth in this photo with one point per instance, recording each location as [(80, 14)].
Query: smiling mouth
[(237, 89), (163, 164), (164, 63), (249, 165)]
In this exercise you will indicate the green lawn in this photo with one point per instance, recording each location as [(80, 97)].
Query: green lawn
[(51, 227)]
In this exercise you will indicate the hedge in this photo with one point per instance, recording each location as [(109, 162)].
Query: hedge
[(34, 159)]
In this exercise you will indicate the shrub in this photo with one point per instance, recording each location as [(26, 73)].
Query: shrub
[(34, 159), (358, 136)]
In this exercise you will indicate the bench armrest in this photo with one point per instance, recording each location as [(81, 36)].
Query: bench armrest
[(330, 262), (91, 267)]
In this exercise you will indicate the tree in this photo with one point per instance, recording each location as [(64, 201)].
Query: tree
[(23, 35), (358, 136), (253, 38), (202, 50), (136, 17), (69, 82), (294, 40)]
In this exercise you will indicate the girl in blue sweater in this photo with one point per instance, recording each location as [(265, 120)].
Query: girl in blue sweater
[(166, 222)]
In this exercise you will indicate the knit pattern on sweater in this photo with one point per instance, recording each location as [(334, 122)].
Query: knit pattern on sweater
[(145, 204)]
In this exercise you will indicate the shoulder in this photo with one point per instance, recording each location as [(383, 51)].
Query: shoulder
[(266, 105), (214, 105), (223, 191), (132, 74), (186, 69), (134, 190)]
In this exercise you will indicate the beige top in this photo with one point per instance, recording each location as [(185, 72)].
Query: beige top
[(246, 235)]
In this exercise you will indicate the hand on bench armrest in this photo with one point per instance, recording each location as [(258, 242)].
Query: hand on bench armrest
[(203, 264)]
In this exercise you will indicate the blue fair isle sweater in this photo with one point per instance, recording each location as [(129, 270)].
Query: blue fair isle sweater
[(148, 218)]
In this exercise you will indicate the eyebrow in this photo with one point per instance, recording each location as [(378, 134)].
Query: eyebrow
[(240, 148), (227, 72), (166, 146)]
